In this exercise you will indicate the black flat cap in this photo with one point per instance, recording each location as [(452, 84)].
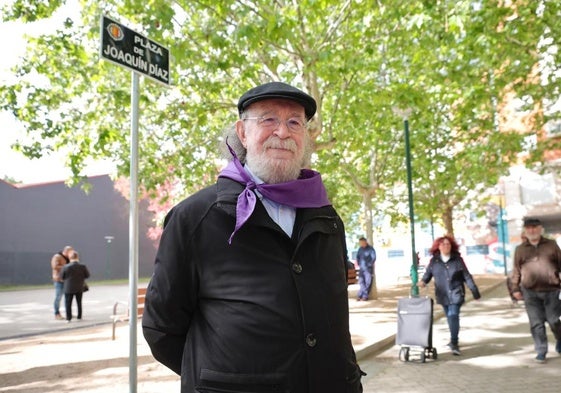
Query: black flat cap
[(531, 222), (278, 90)]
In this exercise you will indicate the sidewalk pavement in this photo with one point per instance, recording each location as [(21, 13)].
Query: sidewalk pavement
[(30, 312), (497, 356), (33, 362)]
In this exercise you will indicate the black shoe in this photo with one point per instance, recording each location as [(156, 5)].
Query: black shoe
[(540, 358), (454, 348)]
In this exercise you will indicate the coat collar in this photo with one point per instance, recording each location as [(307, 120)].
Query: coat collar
[(227, 195), (227, 192), (226, 199)]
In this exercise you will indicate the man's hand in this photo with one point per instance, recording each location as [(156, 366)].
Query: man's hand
[(518, 295), (422, 284)]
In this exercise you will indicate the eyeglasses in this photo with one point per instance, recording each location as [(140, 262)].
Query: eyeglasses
[(272, 123)]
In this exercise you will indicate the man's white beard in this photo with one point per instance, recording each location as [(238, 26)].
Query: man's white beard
[(273, 171)]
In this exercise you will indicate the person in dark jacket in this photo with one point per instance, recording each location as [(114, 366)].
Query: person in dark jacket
[(366, 258), (450, 273), (249, 289), (74, 275), (535, 279)]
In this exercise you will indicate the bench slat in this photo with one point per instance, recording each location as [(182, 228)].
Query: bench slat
[(115, 317)]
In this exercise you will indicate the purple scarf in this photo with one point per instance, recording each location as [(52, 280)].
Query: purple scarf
[(306, 191)]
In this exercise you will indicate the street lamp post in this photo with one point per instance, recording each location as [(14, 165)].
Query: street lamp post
[(108, 239), (502, 231), (404, 113)]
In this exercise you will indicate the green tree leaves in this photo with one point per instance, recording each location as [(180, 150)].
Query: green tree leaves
[(456, 65)]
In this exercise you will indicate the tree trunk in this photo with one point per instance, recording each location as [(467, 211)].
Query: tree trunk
[(447, 218)]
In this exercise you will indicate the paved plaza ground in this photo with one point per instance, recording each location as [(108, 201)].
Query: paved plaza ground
[(497, 351), (497, 356)]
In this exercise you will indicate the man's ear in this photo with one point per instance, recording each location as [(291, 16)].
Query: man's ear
[(240, 131)]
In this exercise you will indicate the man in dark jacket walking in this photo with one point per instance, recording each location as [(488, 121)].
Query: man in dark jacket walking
[(74, 275), (535, 278), (249, 291)]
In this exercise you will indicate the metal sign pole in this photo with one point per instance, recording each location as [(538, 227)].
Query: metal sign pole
[(131, 50), (502, 231), (404, 113), (414, 262), (133, 235)]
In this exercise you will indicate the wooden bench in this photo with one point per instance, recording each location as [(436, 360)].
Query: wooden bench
[(124, 316), (351, 276)]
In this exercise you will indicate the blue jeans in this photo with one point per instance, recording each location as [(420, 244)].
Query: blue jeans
[(364, 282), (452, 312), (542, 307), (59, 286)]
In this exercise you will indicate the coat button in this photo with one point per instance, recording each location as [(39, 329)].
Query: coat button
[(311, 340), (297, 268)]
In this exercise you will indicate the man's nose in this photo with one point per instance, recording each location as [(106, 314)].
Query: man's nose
[(282, 130)]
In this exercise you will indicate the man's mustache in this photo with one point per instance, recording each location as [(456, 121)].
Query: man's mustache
[(276, 143)]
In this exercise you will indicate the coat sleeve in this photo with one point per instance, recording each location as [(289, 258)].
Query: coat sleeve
[(171, 295), (428, 273), (558, 258), (469, 281), (54, 261), (56, 267), (515, 277)]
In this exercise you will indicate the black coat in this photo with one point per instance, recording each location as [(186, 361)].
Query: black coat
[(265, 314), (449, 279), (74, 275)]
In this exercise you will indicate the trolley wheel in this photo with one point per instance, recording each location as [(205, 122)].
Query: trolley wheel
[(434, 354), (404, 354)]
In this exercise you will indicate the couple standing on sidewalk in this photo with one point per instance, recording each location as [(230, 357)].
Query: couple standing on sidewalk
[(69, 277)]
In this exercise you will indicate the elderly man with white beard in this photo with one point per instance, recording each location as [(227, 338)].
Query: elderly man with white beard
[(249, 292), (536, 279)]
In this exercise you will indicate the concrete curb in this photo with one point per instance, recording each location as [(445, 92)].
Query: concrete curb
[(389, 341), (75, 326)]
